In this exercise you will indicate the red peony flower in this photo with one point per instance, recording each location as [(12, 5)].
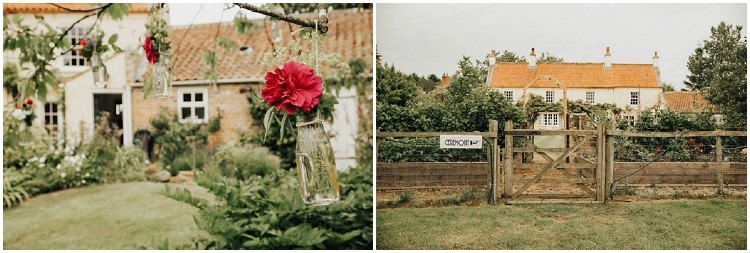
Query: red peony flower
[(151, 54), (82, 43), (29, 101), (293, 86)]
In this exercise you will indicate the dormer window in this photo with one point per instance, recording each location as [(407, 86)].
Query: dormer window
[(549, 96), (73, 58), (508, 95)]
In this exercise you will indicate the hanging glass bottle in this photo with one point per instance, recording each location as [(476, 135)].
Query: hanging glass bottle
[(161, 77), (99, 70), (315, 162)]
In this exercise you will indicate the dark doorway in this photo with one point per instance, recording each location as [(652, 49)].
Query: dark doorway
[(109, 105)]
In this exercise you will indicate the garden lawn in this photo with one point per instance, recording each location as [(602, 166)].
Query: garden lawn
[(674, 224), (111, 216)]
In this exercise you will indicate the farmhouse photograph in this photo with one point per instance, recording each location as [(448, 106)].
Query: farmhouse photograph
[(199, 126), (561, 126)]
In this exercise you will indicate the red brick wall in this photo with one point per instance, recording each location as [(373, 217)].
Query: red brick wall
[(227, 99)]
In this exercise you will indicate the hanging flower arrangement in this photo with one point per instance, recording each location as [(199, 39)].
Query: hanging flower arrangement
[(156, 45), (25, 113), (297, 90)]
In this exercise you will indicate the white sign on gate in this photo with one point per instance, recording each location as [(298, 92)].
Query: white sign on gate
[(460, 141)]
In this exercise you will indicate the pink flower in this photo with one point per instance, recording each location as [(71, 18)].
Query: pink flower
[(151, 54), (294, 86), (744, 151)]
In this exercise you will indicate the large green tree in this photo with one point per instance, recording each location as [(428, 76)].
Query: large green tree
[(719, 69)]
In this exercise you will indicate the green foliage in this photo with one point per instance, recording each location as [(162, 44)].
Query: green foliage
[(719, 69), (128, 165), (174, 138), (667, 87), (244, 161), (508, 56), (547, 57), (214, 125), (184, 162), (13, 191), (268, 213)]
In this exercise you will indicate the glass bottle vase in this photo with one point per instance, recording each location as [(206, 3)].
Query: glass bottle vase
[(99, 70), (161, 77), (315, 162)]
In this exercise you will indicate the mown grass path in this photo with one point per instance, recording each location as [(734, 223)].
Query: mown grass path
[(111, 216), (678, 224)]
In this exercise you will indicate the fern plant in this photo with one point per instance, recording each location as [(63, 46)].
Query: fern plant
[(13, 191)]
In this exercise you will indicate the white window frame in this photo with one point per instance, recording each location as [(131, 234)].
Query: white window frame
[(635, 96), (192, 105), (54, 130), (590, 97), (549, 119), (549, 96), (77, 33), (508, 95), (630, 119)]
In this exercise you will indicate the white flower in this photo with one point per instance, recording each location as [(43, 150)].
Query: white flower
[(58, 166), (83, 181), (44, 158), (33, 159), (87, 175), (29, 112), (18, 114), (41, 165), (78, 168), (62, 174)]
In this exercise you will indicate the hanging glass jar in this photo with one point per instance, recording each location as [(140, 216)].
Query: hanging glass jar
[(161, 77), (99, 70), (315, 162)]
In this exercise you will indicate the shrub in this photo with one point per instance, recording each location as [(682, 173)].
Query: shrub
[(174, 138), (185, 161), (13, 191), (245, 161), (128, 165)]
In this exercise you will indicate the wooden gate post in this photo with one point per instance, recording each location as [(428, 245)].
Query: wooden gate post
[(508, 161), (720, 160), (610, 159), (492, 160), (600, 162)]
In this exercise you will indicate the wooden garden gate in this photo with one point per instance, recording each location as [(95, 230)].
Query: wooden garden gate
[(574, 173)]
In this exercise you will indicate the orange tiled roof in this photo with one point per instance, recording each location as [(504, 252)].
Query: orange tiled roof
[(686, 101), (574, 75), (349, 34), (48, 8)]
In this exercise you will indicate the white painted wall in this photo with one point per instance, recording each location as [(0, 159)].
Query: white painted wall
[(617, 96), (345, 127)]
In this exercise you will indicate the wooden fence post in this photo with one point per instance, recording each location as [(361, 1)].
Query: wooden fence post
[(720, 160), (600, 162), (492, 158), (508, 161), (610, 159)]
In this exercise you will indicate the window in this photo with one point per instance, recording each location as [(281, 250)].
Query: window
[(508, 95), (550, 119), (589, 97), (192, 105), (549, 96), (73, 58), (635, 98), (52, 120), (630, 119)]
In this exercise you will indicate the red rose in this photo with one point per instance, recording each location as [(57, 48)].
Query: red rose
[(151, 54), (29, 101), (293, 86)]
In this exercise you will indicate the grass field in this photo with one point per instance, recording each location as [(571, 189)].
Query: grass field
[(113, 216), (676, 224)]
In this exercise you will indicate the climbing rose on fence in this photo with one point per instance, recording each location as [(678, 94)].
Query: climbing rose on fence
[(293, 86)]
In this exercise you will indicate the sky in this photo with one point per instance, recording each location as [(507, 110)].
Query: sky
[(183, 14), (432, 38)]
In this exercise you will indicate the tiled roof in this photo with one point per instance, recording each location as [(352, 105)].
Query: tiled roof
[(686, 101), (349, 34), (574, 75), (48, 8)]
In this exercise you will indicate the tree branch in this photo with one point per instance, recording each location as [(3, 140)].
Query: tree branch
[(78, 10), (322, 24), (62, 35)]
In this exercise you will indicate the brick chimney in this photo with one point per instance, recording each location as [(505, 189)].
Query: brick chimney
[(608, 60), (655, 60), (492, 58), (446, 79), (532, 59)]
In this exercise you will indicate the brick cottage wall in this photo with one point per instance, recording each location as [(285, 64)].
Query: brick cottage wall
[(226, 99)]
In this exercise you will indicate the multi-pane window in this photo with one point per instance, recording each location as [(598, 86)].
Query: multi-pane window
[(508, 95), (192, 105), (52, 120), (635, 98), (549, 96), (550, 119), (589, 97), (73, 57)]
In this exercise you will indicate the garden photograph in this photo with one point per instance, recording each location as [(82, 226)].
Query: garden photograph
[(561, 126), (188, 126)]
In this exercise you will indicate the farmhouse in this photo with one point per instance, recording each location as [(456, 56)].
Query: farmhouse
[(632, 87)]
